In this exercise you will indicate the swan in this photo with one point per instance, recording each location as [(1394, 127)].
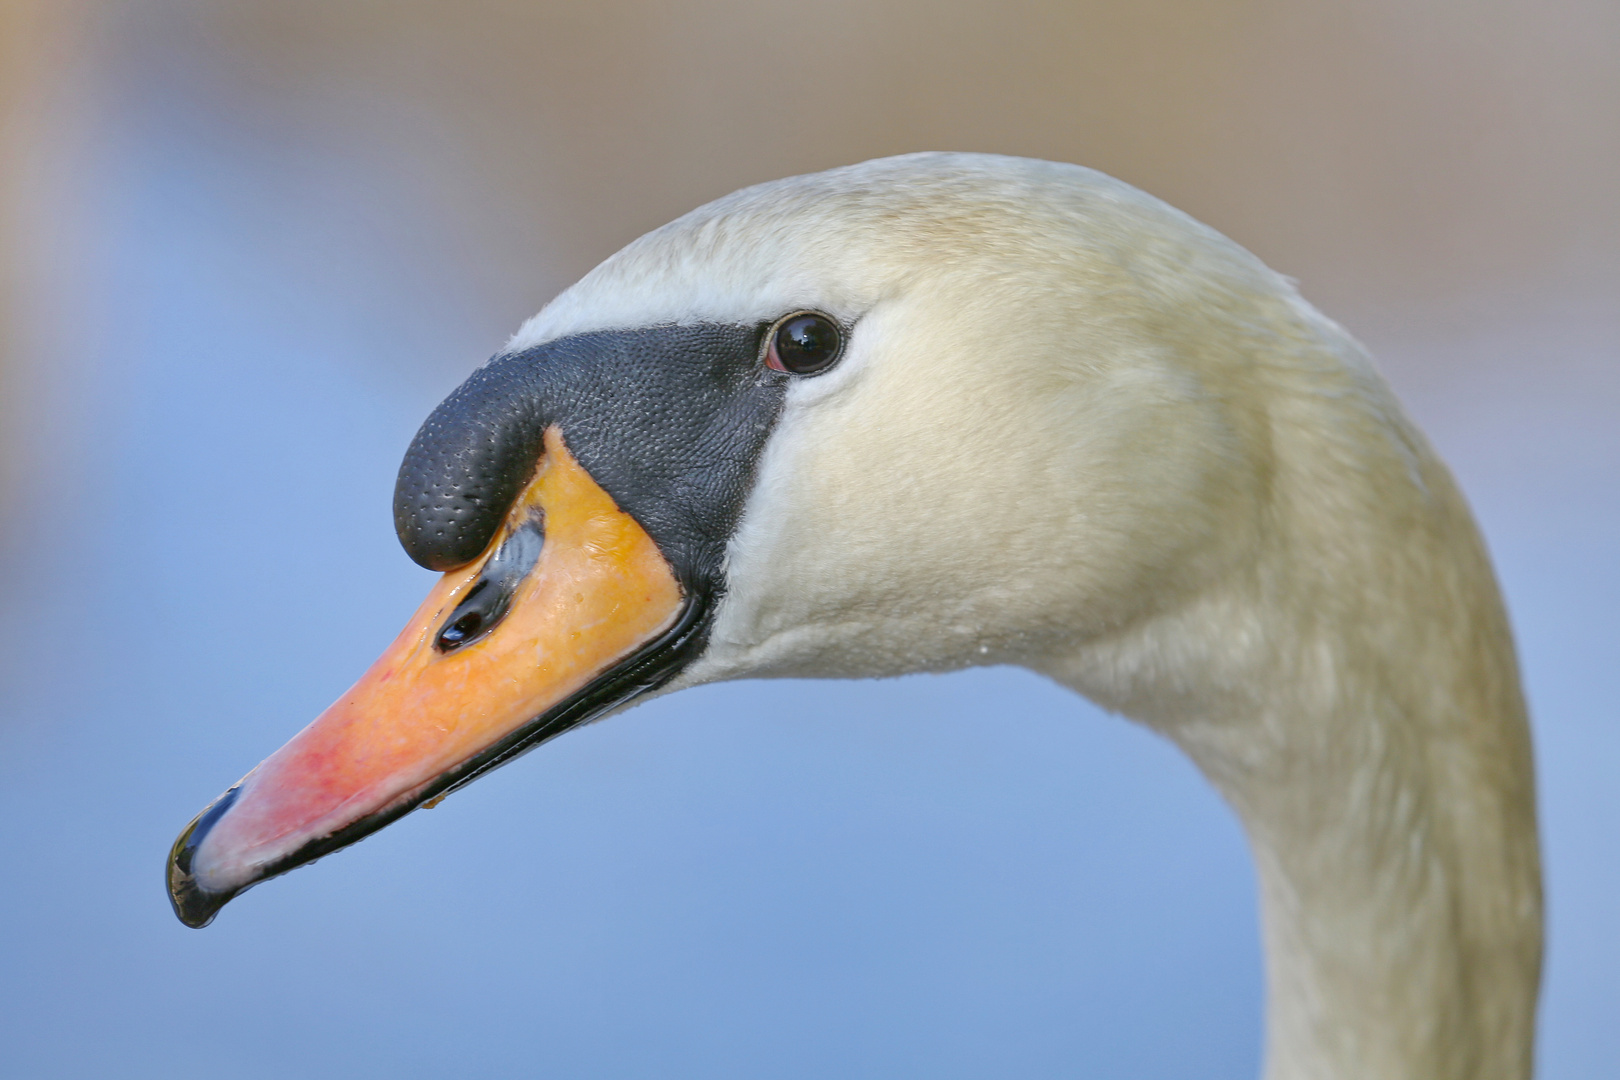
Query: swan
[(944, 410)]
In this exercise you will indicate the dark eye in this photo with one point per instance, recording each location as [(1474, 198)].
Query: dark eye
[(804, 344)]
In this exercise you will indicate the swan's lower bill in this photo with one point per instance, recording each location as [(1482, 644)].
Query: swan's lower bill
[(543, 631)]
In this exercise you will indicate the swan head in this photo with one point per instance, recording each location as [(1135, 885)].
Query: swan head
[(912, 415)]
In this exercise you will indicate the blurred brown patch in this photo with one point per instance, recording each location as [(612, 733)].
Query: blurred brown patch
[(1390, 154), (24, 30)]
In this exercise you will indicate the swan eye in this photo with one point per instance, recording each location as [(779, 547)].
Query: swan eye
[(804, 344)]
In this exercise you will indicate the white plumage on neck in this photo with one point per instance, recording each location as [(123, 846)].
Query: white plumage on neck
[(1078, 431)]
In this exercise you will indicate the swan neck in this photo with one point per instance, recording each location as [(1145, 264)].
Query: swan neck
[(1373, 740), (1400, 909)]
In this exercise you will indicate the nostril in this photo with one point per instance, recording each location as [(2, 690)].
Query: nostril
[(462, 630), (486, 603)]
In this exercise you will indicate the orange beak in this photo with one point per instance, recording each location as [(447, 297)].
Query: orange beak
[(559, 620)]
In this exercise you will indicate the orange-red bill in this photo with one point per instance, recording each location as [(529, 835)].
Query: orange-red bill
[(495, 645)]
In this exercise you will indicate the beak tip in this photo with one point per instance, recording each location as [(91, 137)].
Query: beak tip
[(193, 904)]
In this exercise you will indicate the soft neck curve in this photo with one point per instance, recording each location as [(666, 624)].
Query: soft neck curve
[(1352, 691)]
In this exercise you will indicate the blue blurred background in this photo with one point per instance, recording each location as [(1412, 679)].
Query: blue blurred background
[(248, 245)]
